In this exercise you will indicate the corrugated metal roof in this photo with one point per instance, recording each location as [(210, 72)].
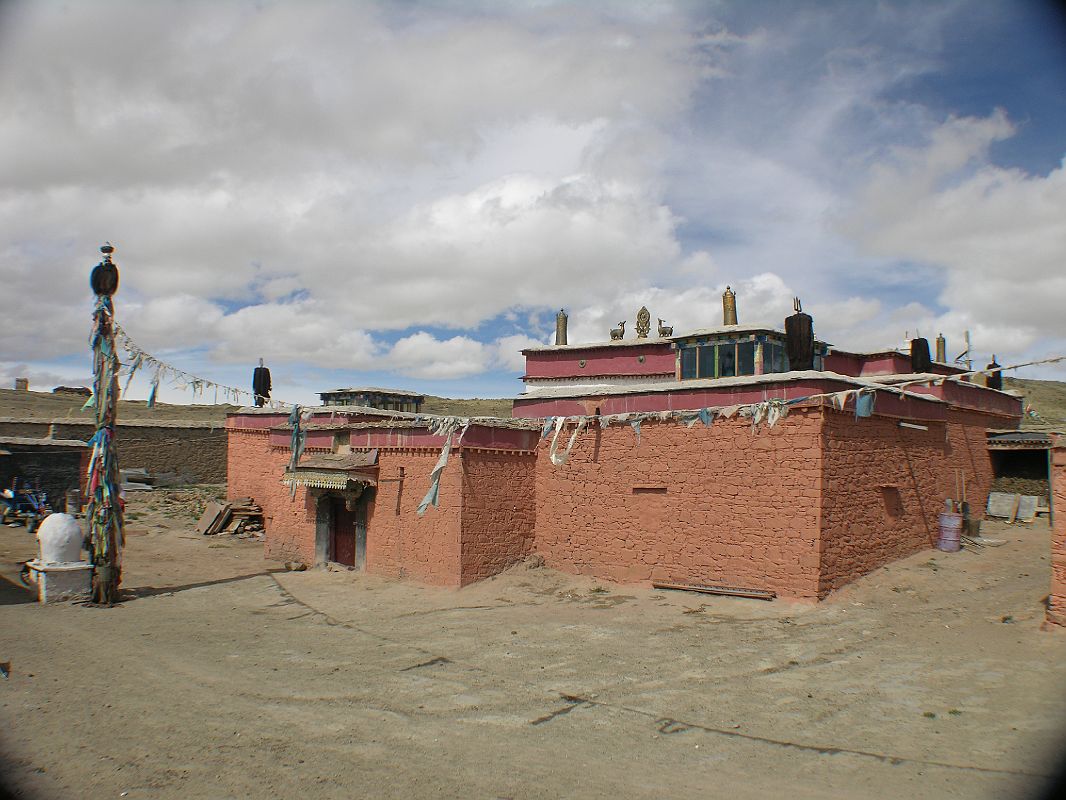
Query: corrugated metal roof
[(1019, 440), (327, 478)]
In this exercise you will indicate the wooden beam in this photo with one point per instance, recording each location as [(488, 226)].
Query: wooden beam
[(729, 591)]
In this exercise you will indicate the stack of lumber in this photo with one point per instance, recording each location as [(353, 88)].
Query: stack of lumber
[(240, 516)]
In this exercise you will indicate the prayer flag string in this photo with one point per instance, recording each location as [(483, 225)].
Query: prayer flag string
[(138, 358)]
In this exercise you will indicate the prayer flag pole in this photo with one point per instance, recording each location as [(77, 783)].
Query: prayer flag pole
[(104, 511)]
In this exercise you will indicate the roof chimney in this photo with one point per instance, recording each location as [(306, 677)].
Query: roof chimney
[(729, 307)]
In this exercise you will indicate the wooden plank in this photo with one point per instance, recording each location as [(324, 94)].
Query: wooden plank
[(728, 591), (220, 521), (207, 519), (1014, 509)]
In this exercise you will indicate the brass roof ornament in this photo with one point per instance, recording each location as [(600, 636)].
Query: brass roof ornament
[(729, 307), (643, 322)]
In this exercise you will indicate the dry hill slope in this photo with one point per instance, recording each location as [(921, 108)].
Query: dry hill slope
[(1047, 398)]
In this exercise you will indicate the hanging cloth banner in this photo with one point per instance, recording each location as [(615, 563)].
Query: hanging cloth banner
[(444, 426), (864, 404), (548, 424), (296, 444), (558, 459), (432, 497)]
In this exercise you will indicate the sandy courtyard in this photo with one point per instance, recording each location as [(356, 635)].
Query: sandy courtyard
[(223, 677)]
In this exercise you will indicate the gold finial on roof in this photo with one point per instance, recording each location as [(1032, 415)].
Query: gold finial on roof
[(729, 307), (643, 322)]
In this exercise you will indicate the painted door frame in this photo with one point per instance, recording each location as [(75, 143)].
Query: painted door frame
[(324, 522)]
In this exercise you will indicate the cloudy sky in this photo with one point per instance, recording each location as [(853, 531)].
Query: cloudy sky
[(403, 194)]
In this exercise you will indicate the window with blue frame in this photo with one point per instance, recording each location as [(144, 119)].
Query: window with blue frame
[(717, 360), (688, 363), (745, 358), (774, 357)]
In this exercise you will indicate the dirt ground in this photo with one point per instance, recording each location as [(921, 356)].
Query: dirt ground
[(223, 677)]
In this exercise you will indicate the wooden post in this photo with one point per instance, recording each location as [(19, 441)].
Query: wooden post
[(104, 511)]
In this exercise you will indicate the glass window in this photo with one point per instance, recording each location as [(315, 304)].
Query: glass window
[(745, 358), (707, 361), (774, 358), (727, 360), (688, 363)]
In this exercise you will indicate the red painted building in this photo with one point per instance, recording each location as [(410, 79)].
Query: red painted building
[(694, 459)]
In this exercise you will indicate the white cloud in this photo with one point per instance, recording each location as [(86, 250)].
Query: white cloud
[(422, 355), (997, 234), (294, 332), (293, 180), (507, 351)]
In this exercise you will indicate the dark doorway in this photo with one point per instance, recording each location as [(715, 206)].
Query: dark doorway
[(342, 538), (348, 532)]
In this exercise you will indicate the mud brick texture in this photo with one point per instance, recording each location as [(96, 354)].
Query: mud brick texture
[(884, 487), (716, 504), (195, 451), (1056, 612), (800, 509)]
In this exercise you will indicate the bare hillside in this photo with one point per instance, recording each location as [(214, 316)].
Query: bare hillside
[(1047, 398), (45, 405)]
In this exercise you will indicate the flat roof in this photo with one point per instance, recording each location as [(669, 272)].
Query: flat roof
[(721, 330), (908, 377), (511, 423), (244, 411), (388, 417), (1021, 436), (597, 345), (373, 390), (120, 423), (604, 390), (26, 440)]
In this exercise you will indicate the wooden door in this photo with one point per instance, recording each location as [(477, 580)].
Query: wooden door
[(360, 532), (342, 538)]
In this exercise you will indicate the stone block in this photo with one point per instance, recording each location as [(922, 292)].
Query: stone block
[(58, 583)]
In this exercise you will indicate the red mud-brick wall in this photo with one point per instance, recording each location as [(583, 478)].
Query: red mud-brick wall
[(706, 505), (885, 486), (401, 544), (1056, 611), (968, 439), (499, 511), (255, 470)]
